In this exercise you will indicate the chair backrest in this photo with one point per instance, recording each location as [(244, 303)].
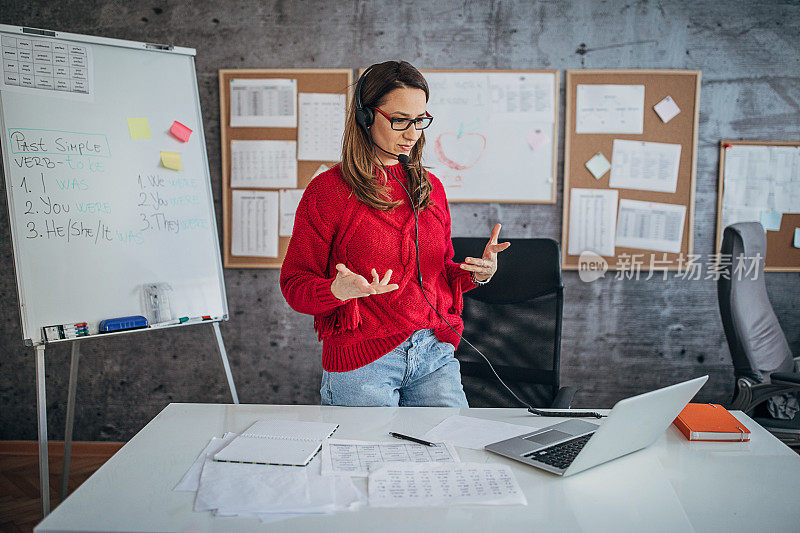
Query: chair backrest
[(755, 338), (515, 320)]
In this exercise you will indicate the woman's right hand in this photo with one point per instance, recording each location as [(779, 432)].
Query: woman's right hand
[(348, 284)]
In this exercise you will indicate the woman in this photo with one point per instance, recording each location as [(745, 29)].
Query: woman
[(356, 262)]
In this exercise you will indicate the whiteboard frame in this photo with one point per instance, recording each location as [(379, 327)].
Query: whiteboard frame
[(150, 47)]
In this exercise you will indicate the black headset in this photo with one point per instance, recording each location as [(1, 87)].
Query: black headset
[(364, 116)]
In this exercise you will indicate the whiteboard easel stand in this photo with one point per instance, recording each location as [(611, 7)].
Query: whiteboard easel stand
[(41, 404)]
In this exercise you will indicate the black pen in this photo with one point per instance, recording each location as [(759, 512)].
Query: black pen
[(412, 439)]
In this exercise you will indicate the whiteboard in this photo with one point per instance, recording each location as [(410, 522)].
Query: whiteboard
[(493, 136), (94, 214)]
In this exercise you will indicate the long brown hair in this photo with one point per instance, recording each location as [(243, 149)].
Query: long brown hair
[(358, 153)]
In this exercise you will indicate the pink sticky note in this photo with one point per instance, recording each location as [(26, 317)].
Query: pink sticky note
[(180, 131), (536, 139)]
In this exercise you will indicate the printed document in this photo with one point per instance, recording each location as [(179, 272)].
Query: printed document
[(191, 479), (321, 129), (425, 484), (354, 457), (646, 166), (758, 178), (263, 103), (592, 221), (264, 164), (472, 432), (650, 225), (255, 223), (610, 109), (290, 199)]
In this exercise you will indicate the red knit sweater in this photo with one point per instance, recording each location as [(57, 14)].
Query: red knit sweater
[(331, 226)]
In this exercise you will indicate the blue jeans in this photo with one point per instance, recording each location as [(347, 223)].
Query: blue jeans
[(421, 372)]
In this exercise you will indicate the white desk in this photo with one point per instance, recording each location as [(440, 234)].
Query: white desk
[(674, 485)]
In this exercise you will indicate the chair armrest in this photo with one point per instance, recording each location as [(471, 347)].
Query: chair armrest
[(785, 378), (563, 399)]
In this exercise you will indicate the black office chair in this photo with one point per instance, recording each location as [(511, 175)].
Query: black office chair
[(515, 320), (766, 374)]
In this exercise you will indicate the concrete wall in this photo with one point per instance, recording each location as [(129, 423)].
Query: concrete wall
[(620, 337)]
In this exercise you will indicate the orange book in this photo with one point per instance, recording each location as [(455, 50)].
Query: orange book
[(709, 421)]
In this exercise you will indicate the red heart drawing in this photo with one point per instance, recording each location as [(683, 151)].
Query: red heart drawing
[(460, 153)]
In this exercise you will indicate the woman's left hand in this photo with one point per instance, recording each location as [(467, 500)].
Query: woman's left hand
[(484, 268)]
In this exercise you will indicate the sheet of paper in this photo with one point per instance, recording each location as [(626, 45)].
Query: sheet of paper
[(264, 103), (171, 160), (47, 67), (536, 139), (354, 457), (667, 109), (180, 131), (321, 127), (289, 200), (320, 170), (650, 225), (471, 432), (524, 96), (139, 128), (645, 166), (610, 109), (191, 479), (255, 223), (267, 164), (771, 219), (758, 178), (598, 165), (592, 221), (436, 484)]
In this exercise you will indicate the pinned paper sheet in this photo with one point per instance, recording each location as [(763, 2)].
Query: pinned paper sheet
[(171, 160), (667, 109), (139, 128), (771, 219), (180, 132), (598, 165), (796, 238), (536, 139), (289, 200)]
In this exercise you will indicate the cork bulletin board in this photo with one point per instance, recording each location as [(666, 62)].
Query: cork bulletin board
[(336, 81), (781, 255), (683, 86)]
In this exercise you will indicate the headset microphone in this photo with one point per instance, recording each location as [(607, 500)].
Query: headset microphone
[(403, 158)]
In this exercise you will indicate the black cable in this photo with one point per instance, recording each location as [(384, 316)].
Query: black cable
[(415, 210)]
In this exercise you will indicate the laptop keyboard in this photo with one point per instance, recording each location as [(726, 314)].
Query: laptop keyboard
[(560, 455)]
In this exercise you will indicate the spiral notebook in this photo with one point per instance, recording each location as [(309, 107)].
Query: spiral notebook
[(277, 442)]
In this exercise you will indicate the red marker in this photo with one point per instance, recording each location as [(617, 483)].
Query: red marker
[(728, 145)]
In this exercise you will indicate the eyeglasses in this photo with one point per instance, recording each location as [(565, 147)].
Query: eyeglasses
[(402, 124)]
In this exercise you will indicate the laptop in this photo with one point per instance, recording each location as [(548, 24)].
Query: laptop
[(573, 446)]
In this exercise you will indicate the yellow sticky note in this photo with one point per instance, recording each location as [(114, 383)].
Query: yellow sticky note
[(171, 160), (139, 128)]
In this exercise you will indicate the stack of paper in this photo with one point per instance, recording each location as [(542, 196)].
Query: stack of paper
[(267, 491), (237, 488)]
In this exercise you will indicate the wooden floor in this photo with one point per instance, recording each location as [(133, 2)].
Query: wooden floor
[(20, 503)]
